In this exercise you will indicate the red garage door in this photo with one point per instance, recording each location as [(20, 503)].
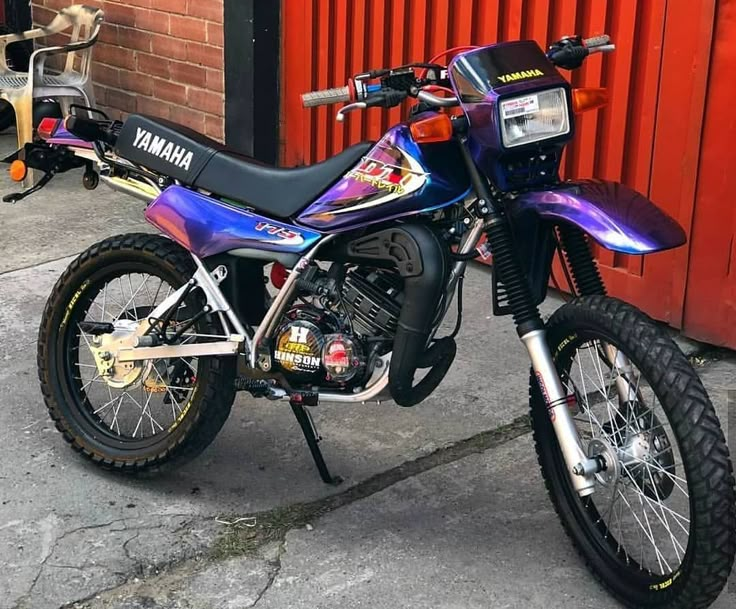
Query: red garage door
[(648, 137)]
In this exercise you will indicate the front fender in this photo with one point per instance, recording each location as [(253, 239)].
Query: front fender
[(617, 217)]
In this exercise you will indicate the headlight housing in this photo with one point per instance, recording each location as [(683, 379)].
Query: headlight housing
[(534, 117)]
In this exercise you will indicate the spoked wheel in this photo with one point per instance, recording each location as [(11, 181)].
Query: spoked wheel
[(130, 415), (659, 529)]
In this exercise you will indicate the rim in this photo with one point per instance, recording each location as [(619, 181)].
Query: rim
[(155, 396), (641, 510)]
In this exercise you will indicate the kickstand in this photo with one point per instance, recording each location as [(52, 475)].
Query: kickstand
[(310, 434)]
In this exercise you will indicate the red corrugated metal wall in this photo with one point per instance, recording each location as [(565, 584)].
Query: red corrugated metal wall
[(648, 136)]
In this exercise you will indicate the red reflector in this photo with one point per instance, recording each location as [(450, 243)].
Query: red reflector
[(48, 127), (279, 273)]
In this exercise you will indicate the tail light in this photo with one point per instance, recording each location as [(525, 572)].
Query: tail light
[(48, 127)]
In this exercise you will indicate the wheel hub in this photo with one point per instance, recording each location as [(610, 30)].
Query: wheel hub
[(600, 449), (104, 349)]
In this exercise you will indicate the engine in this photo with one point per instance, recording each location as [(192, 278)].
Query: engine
[(341, 324)]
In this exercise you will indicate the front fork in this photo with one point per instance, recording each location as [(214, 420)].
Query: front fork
[(530, 327)]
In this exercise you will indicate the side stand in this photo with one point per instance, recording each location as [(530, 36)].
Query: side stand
[(310, 434)]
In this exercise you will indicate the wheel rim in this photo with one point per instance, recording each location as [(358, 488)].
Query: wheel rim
[(642, 514), (153, 399)]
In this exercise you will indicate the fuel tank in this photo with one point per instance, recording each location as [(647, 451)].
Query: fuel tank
[(396, 178)]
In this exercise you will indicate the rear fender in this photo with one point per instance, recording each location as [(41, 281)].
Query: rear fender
[(617, 217)]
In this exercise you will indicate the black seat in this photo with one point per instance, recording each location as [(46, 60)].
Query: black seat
[(198, 161), (276, 191)]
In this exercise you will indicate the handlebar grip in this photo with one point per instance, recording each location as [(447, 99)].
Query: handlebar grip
[(326, 97), (89, 129), (597, 41)]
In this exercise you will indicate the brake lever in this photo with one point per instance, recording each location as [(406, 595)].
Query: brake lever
[(340, 117)]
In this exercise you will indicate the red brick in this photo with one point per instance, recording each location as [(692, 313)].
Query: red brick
[(113, 56), (188, 117), (106, 75), (119, 14), (214, 127), (120, 100), (170, 91), (170, 48), (109, 33), (130, 38), (100, 95), (42, 15), (215, 34), (188, 28), (135, 82), (152, 21), (212, 10), (212, 103), (153, 66), (215, 80), (205, 55), (153, 107), (174, 6), (188, 74), (143, 3)]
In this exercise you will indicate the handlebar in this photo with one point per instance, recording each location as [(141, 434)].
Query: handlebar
[(326, 97), (570, 52)]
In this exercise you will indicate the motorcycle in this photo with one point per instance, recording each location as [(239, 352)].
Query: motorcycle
[(142, 335)]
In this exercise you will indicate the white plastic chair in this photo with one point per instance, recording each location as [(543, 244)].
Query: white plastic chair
[(21, 88)]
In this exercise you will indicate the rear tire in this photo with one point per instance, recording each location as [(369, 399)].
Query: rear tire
[(203, 410), (705, 470)]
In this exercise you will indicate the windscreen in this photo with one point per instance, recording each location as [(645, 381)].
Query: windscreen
[(476, 73)]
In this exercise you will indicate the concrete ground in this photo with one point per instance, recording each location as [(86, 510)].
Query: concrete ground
[(442, 504)]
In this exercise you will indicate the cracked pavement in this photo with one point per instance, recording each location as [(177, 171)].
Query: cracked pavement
[(435, 509)]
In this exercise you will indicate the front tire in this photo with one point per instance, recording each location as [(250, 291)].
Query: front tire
[(674, 455), (112, 282)]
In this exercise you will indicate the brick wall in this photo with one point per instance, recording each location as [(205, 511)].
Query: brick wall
[(158, 57)]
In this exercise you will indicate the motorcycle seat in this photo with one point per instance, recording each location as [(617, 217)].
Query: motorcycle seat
[(200, 162)]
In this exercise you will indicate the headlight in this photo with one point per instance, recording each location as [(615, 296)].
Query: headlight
[(534, 117)]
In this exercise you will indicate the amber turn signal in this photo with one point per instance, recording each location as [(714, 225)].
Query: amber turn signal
[(18, 171), (588, 98), (437, 128)]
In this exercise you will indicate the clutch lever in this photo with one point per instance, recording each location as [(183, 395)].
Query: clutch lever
[(349, 108)]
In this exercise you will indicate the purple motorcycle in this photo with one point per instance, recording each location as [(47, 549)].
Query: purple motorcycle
[(141, 338)]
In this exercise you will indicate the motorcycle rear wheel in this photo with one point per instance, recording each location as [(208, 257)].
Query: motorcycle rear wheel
[(660, 532), (164, 412)]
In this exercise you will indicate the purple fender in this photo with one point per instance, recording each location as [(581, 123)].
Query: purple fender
[(617, 217)]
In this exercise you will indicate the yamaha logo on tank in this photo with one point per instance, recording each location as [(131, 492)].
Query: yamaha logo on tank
[(163, 149)]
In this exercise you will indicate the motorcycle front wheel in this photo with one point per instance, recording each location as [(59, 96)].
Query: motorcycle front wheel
[(659, 529), (148, 414)]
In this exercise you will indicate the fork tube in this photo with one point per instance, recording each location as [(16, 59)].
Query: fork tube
[(530, 327), (556, 399)]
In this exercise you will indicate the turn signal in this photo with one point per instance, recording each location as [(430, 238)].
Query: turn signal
[(588, 98), (18, 171), (437, 128), (47, 127)]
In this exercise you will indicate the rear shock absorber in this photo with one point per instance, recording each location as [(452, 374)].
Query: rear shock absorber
[(583, 266)]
